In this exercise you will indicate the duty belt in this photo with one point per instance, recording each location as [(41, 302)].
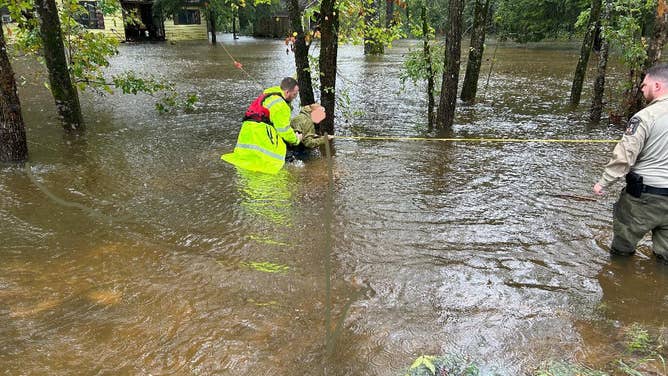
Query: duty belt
[(655, 190)]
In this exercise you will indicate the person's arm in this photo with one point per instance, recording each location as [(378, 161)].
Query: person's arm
[(279, 114), (624, 155)]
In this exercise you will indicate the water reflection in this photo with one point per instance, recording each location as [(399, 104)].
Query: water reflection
[(635, 290), (267, 196)]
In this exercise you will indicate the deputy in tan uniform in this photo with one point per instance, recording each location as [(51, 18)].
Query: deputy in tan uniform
[(642, 157)]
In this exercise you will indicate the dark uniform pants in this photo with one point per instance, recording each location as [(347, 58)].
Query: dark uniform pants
[(634, 217)]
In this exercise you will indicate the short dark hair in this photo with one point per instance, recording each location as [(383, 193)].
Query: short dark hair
[(288, 83), (658, 72)]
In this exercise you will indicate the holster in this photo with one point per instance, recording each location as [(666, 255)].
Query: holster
[(634, 185)]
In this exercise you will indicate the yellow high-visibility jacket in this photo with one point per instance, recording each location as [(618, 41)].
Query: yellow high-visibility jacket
[(261, 146)]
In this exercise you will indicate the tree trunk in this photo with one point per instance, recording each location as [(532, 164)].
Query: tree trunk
[(13, 145), (329, 42), (585, 51), (306, 95), (656, 43), (431, 103), (599, 85), (408, 18), (235, 14), (470, 86), (64, 92), (371, 45), (212, 25), (389, 13), (658, 35), (453, 41)]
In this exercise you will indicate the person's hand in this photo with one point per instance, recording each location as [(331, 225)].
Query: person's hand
[(299, 136), (598, 189), (330, 137)]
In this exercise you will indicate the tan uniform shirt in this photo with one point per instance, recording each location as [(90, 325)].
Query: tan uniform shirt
[(643, 148)]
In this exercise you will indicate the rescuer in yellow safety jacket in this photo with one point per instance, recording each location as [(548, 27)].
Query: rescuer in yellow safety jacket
[(266, 129)]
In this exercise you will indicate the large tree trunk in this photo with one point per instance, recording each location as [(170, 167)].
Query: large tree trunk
[(372, 46), (306, 95), (64, 92), (599, 85), (329, 42), (389, 13), (658, 35), (656, 43), (470, 85), (453, 42), (212, 25), (13, 145), (585, 51), (431, 103)]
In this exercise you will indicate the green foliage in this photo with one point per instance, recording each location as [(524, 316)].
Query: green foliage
[(416, 67), (567, 369), (354, 28), (427, 365), (626, 30), (89, 52), (534, 20), (638, 339)]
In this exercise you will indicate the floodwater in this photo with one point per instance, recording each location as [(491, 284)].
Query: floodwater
[(135, 250)]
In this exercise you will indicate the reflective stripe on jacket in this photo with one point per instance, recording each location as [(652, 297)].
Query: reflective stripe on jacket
[(260, 146)]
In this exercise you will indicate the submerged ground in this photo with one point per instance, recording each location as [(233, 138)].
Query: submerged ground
[(135, 250)]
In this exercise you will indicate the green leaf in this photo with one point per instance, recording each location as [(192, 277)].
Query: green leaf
[(426, 361)]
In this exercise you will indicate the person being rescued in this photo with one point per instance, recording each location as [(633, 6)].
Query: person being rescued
[(261, 145), (304, 124)]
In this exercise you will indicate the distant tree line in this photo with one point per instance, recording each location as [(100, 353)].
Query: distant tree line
[(76, 58)]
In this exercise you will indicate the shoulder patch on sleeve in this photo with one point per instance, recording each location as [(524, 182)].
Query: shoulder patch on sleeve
[(632, 126)]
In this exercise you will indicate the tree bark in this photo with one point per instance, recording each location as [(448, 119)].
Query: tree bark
[(306, 95), (329, 43), (658, 35), (234, 23), (453, 41), (64, 92), (371, 45), (212, 25), (13, 144), (585, 51), (431, 103), (389, 13), (470, 85), (656, 43), (599, 84)]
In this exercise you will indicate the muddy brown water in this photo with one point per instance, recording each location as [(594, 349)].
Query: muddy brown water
[(135, 250)]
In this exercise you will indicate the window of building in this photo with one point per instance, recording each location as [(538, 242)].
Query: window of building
[(187, 17), (92, 17)]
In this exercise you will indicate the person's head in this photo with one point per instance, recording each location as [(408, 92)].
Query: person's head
[(317, 113), (290, 88), (655, 84)]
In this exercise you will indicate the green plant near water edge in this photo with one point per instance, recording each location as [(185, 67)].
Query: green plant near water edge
[(638, 339), (427, 365)]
